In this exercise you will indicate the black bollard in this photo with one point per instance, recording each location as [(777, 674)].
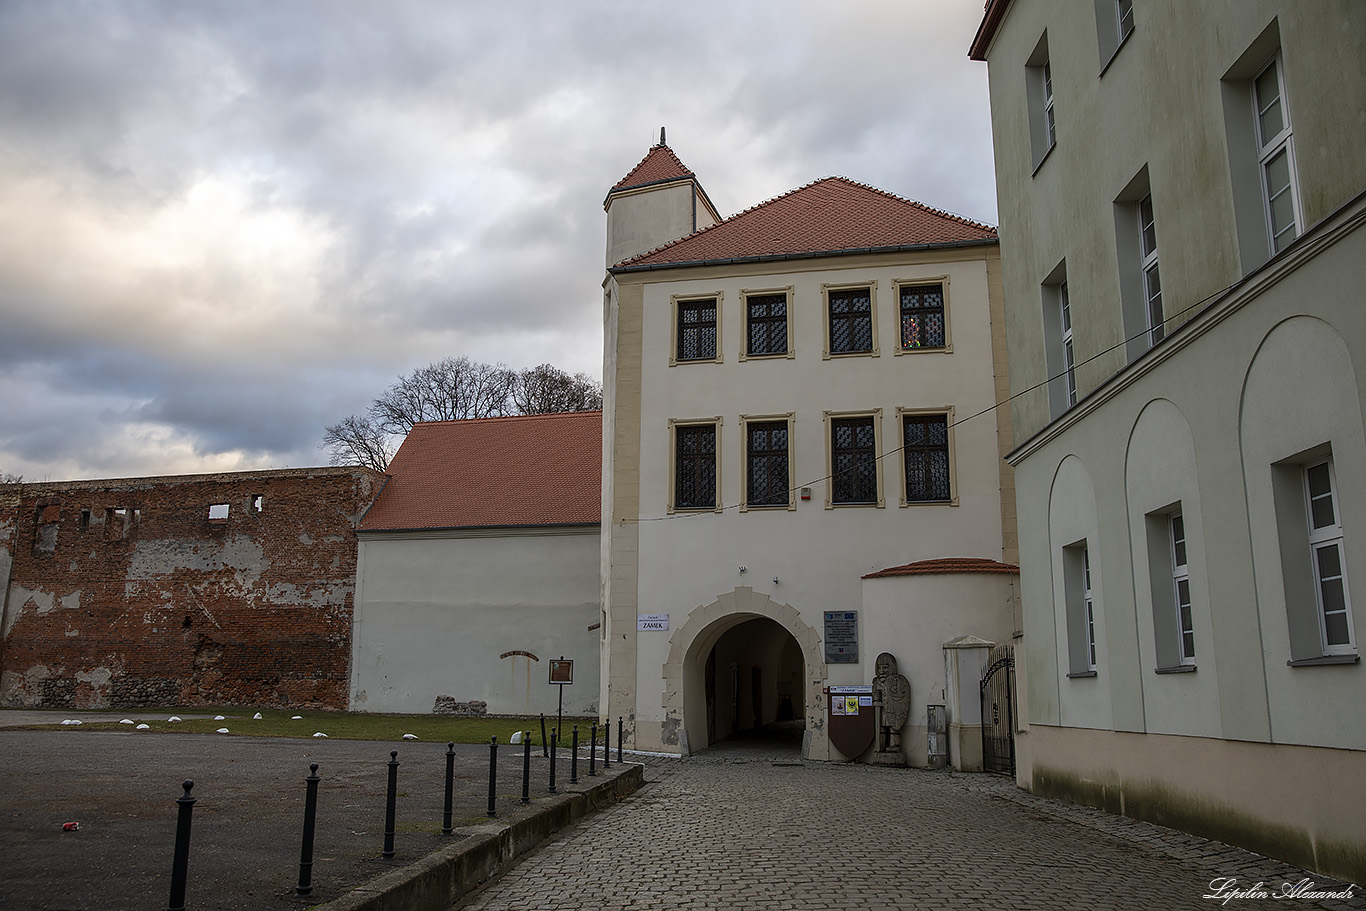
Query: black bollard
[(574, 758), (388, 851), (545, 744), (593, 751), (310, 817), (607, 743), (180, 864), (450, 780), (493, 776), (526, 767), (553, 736), (618, 738)]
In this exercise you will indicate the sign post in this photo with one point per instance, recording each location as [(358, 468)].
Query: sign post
[(561, 674)]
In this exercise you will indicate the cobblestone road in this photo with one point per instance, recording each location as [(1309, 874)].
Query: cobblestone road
[(738, 832)]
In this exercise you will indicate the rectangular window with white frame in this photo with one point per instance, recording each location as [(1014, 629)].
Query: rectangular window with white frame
[(1039, 96), (1069, 358), (1152, 282), (695, 469), (1181, 590), (1276, 154), (1333, 601), (768, 479), (1080, 610), (1114, 24)]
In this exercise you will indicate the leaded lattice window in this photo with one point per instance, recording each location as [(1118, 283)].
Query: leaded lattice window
[(697, 329), (922, 316), (926, 450), (851, 320), (767, 483), (695, 466), (853, 456), (767, 324)]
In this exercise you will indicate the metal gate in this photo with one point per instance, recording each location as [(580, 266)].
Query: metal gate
[(998, 711)]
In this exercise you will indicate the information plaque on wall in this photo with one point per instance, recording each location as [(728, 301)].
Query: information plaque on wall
[(841, 637)]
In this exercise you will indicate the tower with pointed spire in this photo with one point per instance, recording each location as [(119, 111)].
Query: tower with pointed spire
[(659, 201)]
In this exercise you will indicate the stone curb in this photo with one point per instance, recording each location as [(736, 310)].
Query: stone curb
[(440, 879)]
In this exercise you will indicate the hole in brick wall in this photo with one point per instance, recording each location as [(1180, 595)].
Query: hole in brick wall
[(85, 520), (137, 516), (257, 502), (218, 512), (188, 622)]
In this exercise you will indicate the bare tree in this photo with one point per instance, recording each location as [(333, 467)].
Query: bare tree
[(7, 478), (358, 440), (548, 390), (452, 389)]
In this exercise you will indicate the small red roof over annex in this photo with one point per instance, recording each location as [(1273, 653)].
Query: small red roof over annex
[(543, 469), (830, 217), (946, 566)]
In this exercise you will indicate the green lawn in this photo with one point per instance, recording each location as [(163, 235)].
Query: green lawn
[(340, 725)]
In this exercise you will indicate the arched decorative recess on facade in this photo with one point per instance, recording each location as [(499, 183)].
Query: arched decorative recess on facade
[(684, 698)]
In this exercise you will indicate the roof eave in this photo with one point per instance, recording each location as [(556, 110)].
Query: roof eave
[(814, 254), (682, 178), (986, 31)]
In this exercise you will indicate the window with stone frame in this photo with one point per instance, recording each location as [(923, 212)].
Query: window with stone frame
[(695, 466), (696, 330), (854, 462), (850, 320), (766, 324), (925, 442), (1327, 559), (767, 481), (922, 316)]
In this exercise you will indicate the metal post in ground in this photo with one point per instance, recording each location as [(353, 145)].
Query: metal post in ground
[(388, 851), (553, 736), (526, 767), (310, 817), (618, 738), (607, 743), (493, 776), (180, 862), (593, 751), (574, 758), (450, 787), (545, 744)]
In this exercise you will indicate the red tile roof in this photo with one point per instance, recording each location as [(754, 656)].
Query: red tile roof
[(831, 216), (543, 469), (658, 165), (947, 565)]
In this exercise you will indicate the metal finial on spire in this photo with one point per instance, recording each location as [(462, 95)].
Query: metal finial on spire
[(661, 137)]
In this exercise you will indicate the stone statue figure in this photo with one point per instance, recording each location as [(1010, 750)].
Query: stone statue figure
[(891, 703)]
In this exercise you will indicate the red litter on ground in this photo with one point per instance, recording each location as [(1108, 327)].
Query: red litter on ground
[(71, 827)]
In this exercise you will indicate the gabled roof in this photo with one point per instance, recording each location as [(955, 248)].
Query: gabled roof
[(947, 565), (830, 217), (994, 12), (543, 469), (660, 164)]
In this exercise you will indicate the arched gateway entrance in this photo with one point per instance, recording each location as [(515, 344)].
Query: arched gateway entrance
[(741, 662)]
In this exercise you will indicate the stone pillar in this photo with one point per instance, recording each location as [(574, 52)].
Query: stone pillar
[(965, 658)]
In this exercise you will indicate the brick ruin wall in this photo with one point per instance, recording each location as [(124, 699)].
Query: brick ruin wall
[(142, 592)]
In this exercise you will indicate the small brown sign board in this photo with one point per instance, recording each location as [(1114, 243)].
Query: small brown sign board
[(849, 719), (561, 670)]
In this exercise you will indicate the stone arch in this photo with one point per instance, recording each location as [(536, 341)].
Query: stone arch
[(684, 699)]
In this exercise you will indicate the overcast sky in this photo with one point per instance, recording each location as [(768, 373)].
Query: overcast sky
[(226, 225)]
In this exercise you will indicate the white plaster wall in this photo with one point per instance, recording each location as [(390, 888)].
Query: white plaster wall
[(1084, 701), (913, 616), (1160, 470), (1323, 705), (433, 615), (818, 555), (641, 221)]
